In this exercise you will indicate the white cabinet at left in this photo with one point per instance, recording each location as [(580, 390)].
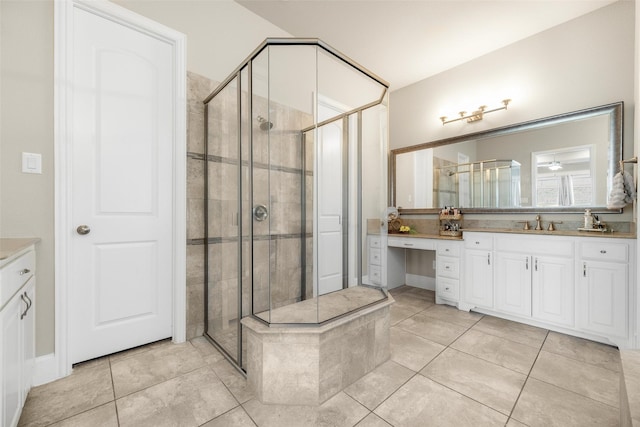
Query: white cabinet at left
[(17, 324)]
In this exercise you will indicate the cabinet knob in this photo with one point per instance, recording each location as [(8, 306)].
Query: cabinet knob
[(603, 251), (446, 289), (25, 271)]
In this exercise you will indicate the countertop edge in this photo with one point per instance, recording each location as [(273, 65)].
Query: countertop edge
[(10, 246), (566, 233)]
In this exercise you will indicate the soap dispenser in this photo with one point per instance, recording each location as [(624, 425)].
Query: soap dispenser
[(588, 219)]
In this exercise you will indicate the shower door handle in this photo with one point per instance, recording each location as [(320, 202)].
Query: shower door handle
[(260, 212)]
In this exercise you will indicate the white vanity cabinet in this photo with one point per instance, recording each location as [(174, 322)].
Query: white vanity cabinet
[(448, 271), (603, 287), (513, 283), (375, 259), (478, 269), (534, 277), (552, 288), (17, 323)]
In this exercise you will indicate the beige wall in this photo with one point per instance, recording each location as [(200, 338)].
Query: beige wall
[(583, 63), (220, 34), (26, 125)]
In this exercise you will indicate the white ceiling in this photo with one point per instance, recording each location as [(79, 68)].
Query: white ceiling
[(406, 41)]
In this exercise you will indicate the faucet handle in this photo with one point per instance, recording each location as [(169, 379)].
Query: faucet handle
[(526, 225), (551, 225)]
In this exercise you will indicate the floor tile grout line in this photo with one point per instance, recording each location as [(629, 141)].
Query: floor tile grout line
[(489, 361), (113, 388), (563, 388), (419, 372), (576, 393), (462, 394), (583, 361), (528, 376), (394, 392), (456, 391)]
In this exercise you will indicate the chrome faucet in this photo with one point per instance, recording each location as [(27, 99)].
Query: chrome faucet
[(538, 223)]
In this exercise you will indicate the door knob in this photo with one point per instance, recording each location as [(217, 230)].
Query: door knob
[(83, 229)]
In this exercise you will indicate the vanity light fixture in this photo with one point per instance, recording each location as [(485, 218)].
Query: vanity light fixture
[(476, 115)]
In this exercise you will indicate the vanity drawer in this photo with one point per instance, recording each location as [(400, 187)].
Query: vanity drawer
[(547, 245), (449, 249), (375, 256), (448, 288), (478, 241), (16, 274), (605, 251), (412, 243), (448, 267), (375, 275), (374, 241)]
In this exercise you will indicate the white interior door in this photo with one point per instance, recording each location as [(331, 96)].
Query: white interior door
[(121, 187), (329, 208)]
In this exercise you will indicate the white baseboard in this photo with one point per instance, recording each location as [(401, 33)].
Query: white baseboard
[(423, 282), (45, 369)]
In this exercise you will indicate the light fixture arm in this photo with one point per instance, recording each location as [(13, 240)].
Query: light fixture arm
[(476, 115)]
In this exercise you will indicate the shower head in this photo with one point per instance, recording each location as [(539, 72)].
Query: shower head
[(264, 123)]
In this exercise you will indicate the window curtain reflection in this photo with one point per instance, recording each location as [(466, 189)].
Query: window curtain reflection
[(565, 195)]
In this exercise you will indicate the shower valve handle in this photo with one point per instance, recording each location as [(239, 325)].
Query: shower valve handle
[(260, 212)]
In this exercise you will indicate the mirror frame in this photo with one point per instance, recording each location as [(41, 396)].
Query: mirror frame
[(615, 110)]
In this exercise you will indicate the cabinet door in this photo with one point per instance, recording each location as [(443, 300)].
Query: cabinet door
[(513, 283), (11, 360), (553, 290), (478, 278), (603, 298)]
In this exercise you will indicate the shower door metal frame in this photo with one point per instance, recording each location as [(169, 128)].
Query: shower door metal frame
[(236, 362)]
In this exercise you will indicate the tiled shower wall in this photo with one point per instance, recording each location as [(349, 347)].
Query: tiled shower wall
[(198, 88), (277, 264)]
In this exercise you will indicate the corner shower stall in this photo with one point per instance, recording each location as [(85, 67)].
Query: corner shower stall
[(296, 178)]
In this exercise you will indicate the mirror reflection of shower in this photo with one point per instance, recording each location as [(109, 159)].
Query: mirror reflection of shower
[(487, 183)]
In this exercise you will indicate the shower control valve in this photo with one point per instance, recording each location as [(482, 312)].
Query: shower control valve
[(260, 212)]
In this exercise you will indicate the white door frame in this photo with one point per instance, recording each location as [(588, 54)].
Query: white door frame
[(63, 71)]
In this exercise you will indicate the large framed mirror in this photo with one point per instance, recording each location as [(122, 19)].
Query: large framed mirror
[(563, 163)]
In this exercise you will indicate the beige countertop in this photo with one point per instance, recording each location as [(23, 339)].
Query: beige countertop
[(573, 233), (11, 246)]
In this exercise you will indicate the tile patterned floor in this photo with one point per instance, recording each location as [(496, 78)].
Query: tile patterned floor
[(448, 368)]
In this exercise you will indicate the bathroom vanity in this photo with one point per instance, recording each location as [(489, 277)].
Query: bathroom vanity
[(565, 281), (17, 323)]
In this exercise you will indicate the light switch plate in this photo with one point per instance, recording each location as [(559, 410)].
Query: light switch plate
[(31, 163)]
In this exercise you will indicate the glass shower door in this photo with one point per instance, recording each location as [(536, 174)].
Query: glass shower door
[(223, 221)]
